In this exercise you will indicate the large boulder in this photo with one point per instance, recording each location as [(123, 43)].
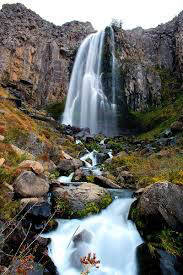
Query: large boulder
[(69, 165), (160, 202), (77, 198), (36, 166), (29, 185)]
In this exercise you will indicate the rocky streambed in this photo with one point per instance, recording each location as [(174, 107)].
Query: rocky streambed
[(66, 186)]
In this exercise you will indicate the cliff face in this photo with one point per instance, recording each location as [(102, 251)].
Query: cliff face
[(143, 54), (36, 56)]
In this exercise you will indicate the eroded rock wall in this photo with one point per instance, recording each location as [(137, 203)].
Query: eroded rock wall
[(36, 56), (141, 53)]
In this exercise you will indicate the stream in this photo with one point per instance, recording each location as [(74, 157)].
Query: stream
[(109, 234)]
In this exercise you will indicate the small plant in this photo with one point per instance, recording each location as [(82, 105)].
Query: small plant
[(25, 265), (88, 263)]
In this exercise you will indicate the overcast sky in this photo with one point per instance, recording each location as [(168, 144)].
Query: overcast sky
[(133, 13)]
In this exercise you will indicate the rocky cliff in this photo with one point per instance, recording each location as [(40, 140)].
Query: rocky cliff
[(143, 55), (36, 56)]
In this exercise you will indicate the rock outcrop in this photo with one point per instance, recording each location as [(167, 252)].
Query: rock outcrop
[(143, 55), (36, 56), (162, 202)]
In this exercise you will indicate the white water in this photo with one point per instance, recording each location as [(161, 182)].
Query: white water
[(87, 106), (114, 241), (65, 179)]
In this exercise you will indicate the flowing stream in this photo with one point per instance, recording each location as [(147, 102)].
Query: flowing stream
[(87, 105), (114, 240)]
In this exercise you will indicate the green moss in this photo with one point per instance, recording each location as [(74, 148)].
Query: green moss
[(90, 179), (64, 209), (56, 109), (8, 207), (54, 174), (171, 241), (90, 208), (93, 146)]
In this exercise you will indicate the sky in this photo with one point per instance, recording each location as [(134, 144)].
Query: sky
[(133, 13)]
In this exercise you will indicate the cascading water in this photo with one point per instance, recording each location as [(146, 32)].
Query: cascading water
[(114, 240), (87, 105)]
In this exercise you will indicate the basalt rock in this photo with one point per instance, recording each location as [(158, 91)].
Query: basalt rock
[(143, 54)]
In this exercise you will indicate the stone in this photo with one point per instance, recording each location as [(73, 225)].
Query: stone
[(78, 197), (48, 166), (21, 152), (27, 185), (65, 155), (105, 182), (34, 165), (162, 201), (177, 126), (2, 160), (126, 179), (83, 236), (2, 138), (66, 165), (101, 157)]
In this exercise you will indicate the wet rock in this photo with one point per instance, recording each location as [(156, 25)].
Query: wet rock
[(81, 174), (37, 214), (29, 185), (101, 157), (69, 165), (147, 263), (83, 236), (78, 197), (34, 165), (162, 202), (80, 243), (105, 182)]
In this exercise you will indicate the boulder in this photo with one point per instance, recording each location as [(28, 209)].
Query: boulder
[(105, 182), (101, 157), (126, 179), (48, 165), (77, 197), (21, 152), (162, 201), (66, 165), (177, 126), (37, 214), (36, 166), (83, 236), (2, 138), (29, 185)]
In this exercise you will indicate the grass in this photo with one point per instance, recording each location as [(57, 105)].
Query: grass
[(150, 169)]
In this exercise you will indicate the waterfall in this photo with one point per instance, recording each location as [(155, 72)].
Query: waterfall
[(87, 105), (114, 240)]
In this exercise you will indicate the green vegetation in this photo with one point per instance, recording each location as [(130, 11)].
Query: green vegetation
[(155, 120), (150, 169), (65, 210), (8, 207)]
